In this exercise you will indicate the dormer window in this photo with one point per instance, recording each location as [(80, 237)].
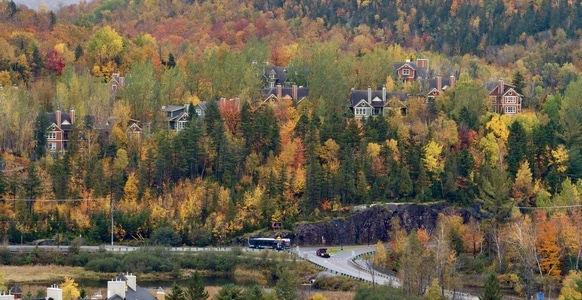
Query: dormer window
[(406, 72)]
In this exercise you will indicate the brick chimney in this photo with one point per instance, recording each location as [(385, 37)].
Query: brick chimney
[(439, 83), (500, 87), (452, 80), (422, 63), (58, 117), (72, 114), (279, 91), (294, 93)]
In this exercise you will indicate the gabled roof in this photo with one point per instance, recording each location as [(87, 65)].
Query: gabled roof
[(492, 86), (359, 95), (170, 108), (279, 72), (16, 289), (65, 120), (420, 72), (302, 92)]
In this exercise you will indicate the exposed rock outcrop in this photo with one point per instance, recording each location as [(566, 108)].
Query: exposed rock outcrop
[(372, 224)]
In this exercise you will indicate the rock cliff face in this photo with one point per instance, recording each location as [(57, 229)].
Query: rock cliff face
[(372, 224)]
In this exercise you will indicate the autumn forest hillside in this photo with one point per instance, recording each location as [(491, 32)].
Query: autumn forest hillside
[(247, 162)]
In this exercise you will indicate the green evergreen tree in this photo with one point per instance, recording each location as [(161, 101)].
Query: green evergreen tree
[(494, 191), (286, 287), (176, 293), (229, 292), (516, 147), (405, 187), (195, 289), (41, 128), (518, 81), (32, 187), (253, 293), (492, 290)]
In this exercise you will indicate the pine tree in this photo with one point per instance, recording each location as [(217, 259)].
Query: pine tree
[(492, 290), (42, 124), (195, 289), (176, 293), (518, 82)]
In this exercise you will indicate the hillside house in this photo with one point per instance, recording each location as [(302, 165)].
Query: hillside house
[(117, 82), (133, 130), (408, 72), (176, 116), (294, 93), (437, 85), (504, 98), (369, 103), (58, 132)]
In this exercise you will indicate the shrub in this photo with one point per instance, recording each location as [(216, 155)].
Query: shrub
[(165, 236), (106, 264)]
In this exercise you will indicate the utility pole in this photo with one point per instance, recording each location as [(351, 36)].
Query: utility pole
[(111, 202)]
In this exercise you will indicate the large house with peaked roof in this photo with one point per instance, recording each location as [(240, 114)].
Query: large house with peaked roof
[(59, 130), (274, 75), (437, 85), (408, 72), (504, 98), (176, 116), (371, 103)]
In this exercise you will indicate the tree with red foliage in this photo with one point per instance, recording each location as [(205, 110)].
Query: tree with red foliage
[(55, 62)]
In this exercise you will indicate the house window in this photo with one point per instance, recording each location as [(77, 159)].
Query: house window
[(406, 72), (114, 87), (509, 109), (52, 146), (199, 112), (181, 125), (511, 99), (493, 100), (51, 135), (361, 111)]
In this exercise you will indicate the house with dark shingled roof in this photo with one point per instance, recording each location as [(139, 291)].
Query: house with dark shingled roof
[(125, 287), (59, 130), (504, 98), (369, 103)]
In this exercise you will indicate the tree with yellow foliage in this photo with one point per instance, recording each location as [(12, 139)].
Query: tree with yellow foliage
[(432, 152), (571, 286), (70, 290)]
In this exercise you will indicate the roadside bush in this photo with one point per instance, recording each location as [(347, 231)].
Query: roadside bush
[(165, 236), (336, 283), (383, 293), (147, 261), (105, 264)]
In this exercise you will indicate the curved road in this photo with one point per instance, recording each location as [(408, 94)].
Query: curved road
[(346, 262)]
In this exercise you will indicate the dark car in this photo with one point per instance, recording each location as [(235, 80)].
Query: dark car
[(322, 252)]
